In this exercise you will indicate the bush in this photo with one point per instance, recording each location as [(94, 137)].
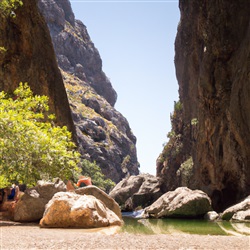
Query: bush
[(32, 147), (92, 170), (178, 106)]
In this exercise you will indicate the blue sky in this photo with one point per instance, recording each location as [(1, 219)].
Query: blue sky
[(136, 42)]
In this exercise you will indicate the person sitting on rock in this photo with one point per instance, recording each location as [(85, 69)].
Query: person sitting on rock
[(84, 181), (14, 193)]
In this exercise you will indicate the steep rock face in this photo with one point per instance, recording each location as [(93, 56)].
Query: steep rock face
[(29, 57), (212, 67), (103, 133), (75, 51)]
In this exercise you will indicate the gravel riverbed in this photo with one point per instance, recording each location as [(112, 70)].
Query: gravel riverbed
[(31, 236)]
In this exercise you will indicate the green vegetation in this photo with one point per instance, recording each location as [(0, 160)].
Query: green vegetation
[(194, 121), (7, 7), (32, 147), (2, 50), (176, 153), (174, 146), (98, 179), (186, 171), (125, 163), (194, 129), (178, 106)]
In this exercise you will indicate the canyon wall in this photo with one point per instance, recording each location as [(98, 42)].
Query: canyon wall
[(209, 146)]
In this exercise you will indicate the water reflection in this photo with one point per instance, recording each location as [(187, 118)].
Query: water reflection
[(171, 226), (235, 228)]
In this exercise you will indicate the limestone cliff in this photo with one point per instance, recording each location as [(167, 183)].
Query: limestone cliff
[(213, 128), (103, 133), (28, 56)]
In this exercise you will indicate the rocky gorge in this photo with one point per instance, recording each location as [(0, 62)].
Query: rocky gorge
[(142, 195), (55, 205), (208, 146), (63, 63)]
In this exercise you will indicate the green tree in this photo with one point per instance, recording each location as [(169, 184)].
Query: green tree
[(32, 147), (7, 7), (92, 170)]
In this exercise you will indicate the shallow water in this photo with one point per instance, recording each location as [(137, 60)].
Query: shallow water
[(157, 226), (171, 226)]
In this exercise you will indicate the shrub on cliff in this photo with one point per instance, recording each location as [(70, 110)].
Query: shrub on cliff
[(7, 7), (32, 147), (186, 171), (173, 148)]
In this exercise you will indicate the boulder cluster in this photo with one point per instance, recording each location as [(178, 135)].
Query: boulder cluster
[(143, 193), (54, 204)]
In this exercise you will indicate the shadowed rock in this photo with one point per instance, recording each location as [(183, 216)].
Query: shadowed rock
[(136, 191)]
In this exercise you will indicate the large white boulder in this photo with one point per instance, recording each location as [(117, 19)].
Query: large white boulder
[(67, 209), (101, 195)]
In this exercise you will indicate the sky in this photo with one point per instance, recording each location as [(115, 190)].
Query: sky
[(135, 40)]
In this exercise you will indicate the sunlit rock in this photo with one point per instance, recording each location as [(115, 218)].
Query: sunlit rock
[(211, 216), (67, 209), (31, 205), (102, 196), (238, 212), (181, 203)]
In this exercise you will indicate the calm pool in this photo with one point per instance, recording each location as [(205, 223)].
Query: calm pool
[(170, 226)]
